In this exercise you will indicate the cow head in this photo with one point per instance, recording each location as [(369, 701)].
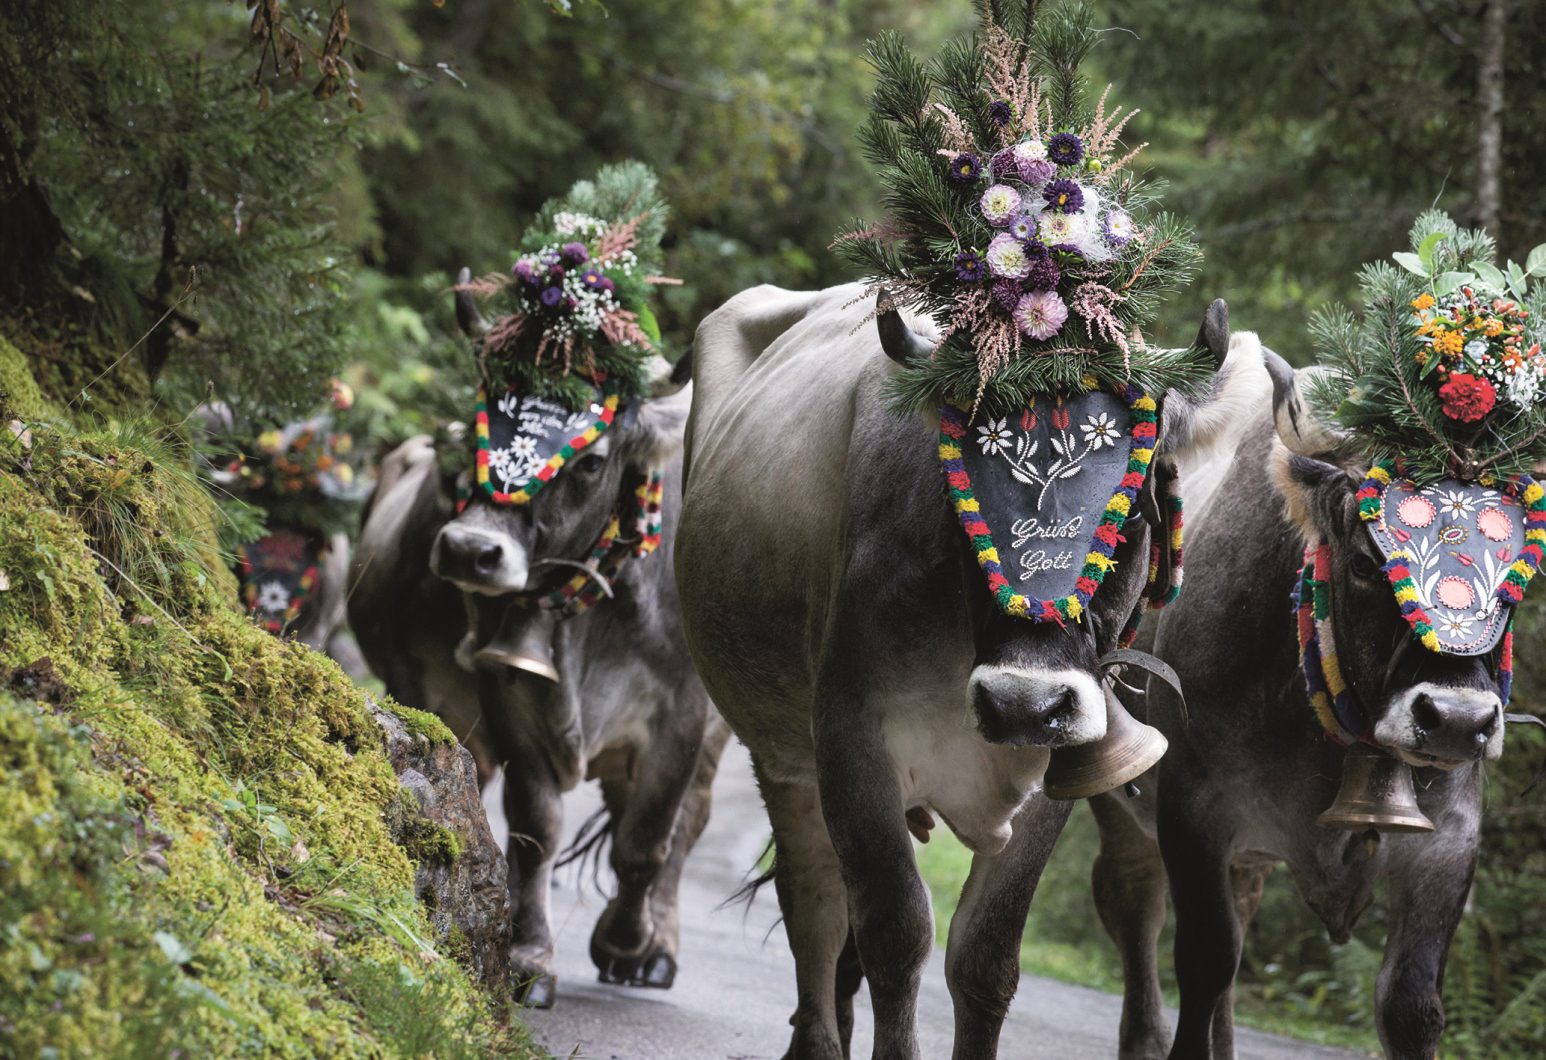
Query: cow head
[(1039, 683), (495, 550), (1428, 708)]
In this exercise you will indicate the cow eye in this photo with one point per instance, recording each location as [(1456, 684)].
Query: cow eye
[(589, 463), (1364, 567)]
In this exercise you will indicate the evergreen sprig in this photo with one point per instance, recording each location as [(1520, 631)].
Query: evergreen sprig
[(626, 198), (1382, 378), (1017, 83)]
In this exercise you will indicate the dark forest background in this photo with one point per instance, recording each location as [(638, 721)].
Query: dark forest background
[(243, 200)]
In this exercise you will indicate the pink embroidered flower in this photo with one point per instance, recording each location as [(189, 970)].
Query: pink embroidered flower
[(1041, 314)]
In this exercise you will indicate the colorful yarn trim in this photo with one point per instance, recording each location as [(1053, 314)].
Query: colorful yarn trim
[(952, 429), (1331, 697), (610, 551), (545, 475), (250, 590), (1506, 665), (1171, 502), (1371, 506)]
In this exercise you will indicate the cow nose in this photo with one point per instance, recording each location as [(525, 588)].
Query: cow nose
[(1012, 710), (1455, 728), (477, 560), (487, 559)]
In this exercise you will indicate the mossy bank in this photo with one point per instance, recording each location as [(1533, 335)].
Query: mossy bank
[(194, 849)]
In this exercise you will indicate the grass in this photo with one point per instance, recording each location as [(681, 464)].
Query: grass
[(1064, 940)]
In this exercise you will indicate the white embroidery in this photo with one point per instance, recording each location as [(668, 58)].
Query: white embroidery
[(273, 596)]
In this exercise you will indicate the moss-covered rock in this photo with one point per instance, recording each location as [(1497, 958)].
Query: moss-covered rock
[(194, 850)]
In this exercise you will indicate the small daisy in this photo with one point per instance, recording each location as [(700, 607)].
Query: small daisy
[(1100, 431), (1454, 624), (1120, 229), (995, 437), (1062, 228)]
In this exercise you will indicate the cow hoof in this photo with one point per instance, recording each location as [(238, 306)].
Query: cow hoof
[(538, 991), (659, 972)]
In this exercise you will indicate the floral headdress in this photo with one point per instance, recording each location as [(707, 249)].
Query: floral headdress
[(1013, 220), (574, 306), (1444, 370)]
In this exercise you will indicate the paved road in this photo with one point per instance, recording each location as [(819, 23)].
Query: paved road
[(735, 990)]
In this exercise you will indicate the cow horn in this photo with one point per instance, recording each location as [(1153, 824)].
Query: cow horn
[(467, 314), (901, 343), (1213, 336), (1298, 427), (662, 378)]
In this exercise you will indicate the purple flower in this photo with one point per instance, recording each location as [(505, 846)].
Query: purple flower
[(1037, 171), (556, 271), (551, 296), (1005, 164), (1041, 314), (1064, 196), (608, 286), (1000, 112), (575, 253), (1006, 295), (1066, 248), (524, 272), (1044, 273), (1065, 149), (1119, 229), (965, 168), (1023, 227), (593, 279), (970, 267)]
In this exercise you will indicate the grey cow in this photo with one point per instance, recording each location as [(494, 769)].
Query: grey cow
[(430, 590), (1249, 770), (842, 627)]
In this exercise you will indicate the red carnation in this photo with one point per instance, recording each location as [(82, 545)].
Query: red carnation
[(1467, 397)]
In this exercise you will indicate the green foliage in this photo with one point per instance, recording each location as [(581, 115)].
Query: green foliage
[(194, 848), (1380, 382), (926, 120)]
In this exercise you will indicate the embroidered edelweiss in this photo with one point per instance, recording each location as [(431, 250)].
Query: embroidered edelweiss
[(1455, 625), (273, 596), (515, 463), (1100, 430), (1455, 503), (995, 437)]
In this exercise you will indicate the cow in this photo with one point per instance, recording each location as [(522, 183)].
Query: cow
[(845, 632), (1250, 769), (618, 700)]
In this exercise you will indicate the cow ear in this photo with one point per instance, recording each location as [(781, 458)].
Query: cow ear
[(657, 436), (1240, 388), (1318, 498)]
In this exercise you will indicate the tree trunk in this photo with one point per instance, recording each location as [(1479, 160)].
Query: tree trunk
[(1489, 118)]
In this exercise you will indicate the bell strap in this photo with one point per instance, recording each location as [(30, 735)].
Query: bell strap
[(611, 551), (1118, 659)]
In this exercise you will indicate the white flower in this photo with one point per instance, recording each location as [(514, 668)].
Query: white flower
[(1006, 257), (999, 204), (273, 596), (515, 463), (1120, 228), (1070, 228), (1475, 348), (994, 437), (1100, 430), (1524, 387), (1454, 503), (1030, 151)]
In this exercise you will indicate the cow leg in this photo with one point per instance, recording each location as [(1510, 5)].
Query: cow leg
[(623, 945), (660, 970), (887, 901), (814, 904), (1426, 901), (850, 976), (1246, 881), (982, 960), (1208, 933), (1128, 879), (535, 815)]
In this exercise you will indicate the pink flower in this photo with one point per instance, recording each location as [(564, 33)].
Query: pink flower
[(1041, 314)]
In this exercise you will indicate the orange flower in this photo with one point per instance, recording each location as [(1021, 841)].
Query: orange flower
[(1423, 301), (1494, 328), (1448, 343)]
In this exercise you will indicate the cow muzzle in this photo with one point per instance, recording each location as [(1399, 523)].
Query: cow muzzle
[(1035, 708), (1434, 726), (479, 561)]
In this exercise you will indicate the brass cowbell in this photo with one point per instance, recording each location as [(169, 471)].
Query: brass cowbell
[(1376, 793), (524, 641), (1129, 748)]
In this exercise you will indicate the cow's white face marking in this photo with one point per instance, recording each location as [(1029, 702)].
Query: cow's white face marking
[(507, 574), (1399, 731), (1084, 723)]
